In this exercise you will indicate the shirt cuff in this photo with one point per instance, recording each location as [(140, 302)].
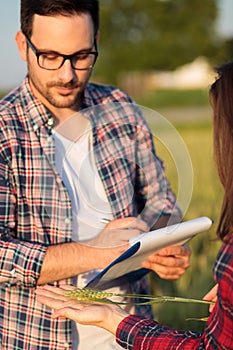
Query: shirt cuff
[(129, 328), (27, 263)]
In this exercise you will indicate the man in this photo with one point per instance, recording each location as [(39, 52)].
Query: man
[(44, 216)]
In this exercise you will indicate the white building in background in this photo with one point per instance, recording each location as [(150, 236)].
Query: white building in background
[(195, 75)]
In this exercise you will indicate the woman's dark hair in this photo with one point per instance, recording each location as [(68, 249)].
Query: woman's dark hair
[(56, 7), (221, 95)]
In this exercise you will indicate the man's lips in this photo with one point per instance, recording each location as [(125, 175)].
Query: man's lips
[(65, 90)]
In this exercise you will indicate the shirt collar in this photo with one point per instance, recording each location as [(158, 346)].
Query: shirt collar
[(38, 114)]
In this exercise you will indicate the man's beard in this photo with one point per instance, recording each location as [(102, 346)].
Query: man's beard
[(57, 100), (68, 100)]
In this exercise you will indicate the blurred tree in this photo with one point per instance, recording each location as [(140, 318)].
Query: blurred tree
[(224, 53), (154, 34)]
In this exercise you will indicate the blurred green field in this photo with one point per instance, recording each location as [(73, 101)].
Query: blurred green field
[(205, 201), (195, 128), (161, 98)]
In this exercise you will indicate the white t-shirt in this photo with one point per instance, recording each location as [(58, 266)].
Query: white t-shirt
[(76, 165)]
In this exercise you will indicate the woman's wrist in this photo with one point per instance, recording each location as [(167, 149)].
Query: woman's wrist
[(115, 316)]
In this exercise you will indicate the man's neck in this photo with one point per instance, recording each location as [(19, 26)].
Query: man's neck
[(62, 114)]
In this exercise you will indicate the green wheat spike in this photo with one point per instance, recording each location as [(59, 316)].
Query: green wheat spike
[(87, 294)]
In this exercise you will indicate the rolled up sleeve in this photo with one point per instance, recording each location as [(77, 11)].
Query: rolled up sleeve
[(20, 263)]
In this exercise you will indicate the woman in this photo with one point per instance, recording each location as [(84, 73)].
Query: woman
[(135, 332)]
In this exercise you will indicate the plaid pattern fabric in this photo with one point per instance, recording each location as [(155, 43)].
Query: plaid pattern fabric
[(35, 208), (136, 332)]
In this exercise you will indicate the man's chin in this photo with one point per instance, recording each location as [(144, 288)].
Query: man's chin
[(64, 101)]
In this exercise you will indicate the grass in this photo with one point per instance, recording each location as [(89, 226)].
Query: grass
[(189, 113), (206, 199), (3, 93), (171, 98)]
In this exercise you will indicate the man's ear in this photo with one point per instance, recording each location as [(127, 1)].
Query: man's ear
[(22, 45), (97, 36)]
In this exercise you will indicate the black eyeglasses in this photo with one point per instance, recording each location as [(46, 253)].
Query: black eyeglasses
[(52, 60)]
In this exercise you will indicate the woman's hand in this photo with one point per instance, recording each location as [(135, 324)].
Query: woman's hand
[(106, 316), (211, 296)]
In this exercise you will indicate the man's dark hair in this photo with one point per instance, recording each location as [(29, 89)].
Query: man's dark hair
[(29, 8)]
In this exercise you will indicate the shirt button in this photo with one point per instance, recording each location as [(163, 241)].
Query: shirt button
[(35, 127), (12, 272), (50, 139), (67, 220), (50, 121), (11, 224)]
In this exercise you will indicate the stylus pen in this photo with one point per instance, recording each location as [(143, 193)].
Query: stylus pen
[(104, 221)]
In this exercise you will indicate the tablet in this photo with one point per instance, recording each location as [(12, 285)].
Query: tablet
[(128, 264)]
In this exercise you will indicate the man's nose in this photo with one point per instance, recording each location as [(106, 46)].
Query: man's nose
[(66, 72)]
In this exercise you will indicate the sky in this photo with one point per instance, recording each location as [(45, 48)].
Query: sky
[(13, 70)]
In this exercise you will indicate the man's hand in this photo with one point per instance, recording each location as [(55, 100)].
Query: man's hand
[(70, 259), (169, 263), (118, 232)]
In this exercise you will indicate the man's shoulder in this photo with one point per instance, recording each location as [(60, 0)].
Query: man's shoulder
[(9, 101), (100, 92), (113, 104), (11, 107)]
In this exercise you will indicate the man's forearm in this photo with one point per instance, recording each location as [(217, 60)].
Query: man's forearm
[(70, 259), (62, 261)]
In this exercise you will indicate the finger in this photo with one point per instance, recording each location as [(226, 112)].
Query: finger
[(129, 233), (212, 294), (211, 308), (52, 292), (51, 289), (76, 314), (175, 250), (129, 222), (138, 224), (168, 275), (169, 261), (66, 312), (53, 302), (67, 287), (59, 290), (164, 272)]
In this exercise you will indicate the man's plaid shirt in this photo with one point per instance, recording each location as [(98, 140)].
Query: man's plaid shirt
[(35, 208)]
